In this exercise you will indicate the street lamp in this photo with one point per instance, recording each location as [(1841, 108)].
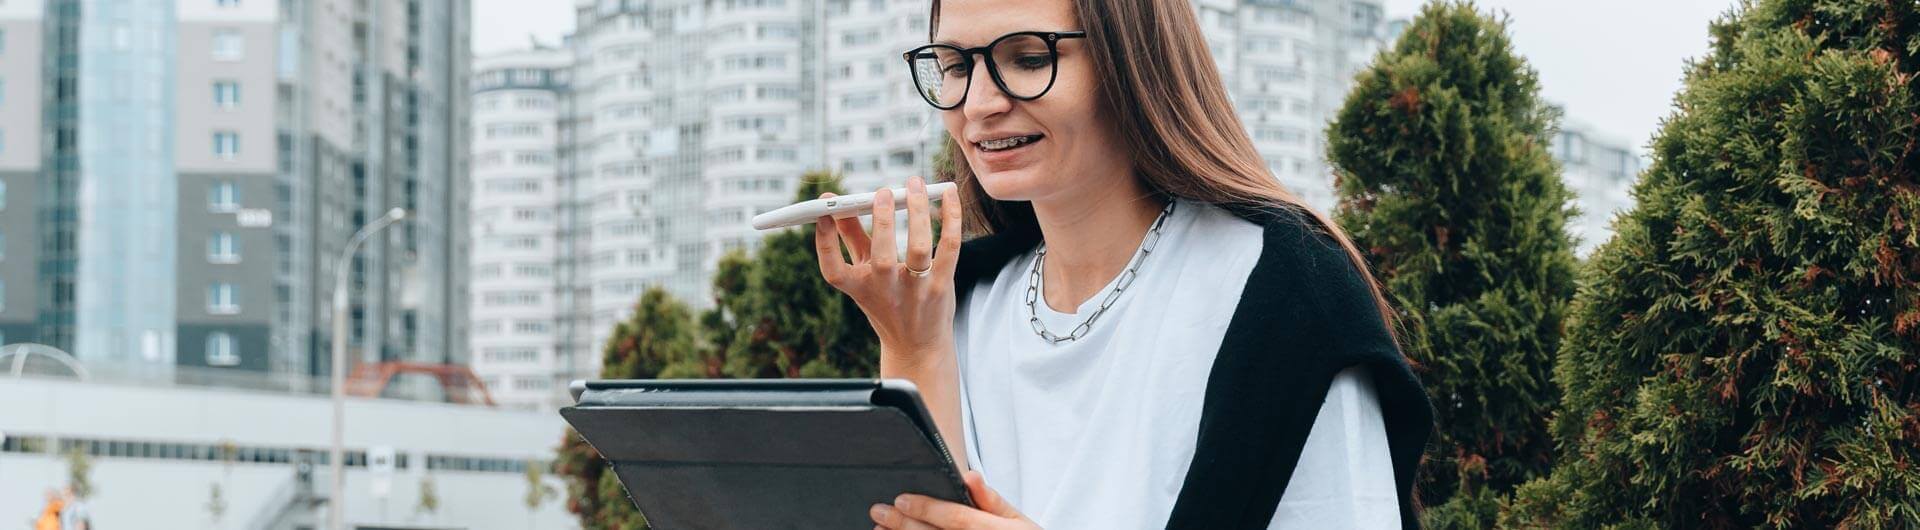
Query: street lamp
[(336, 458)]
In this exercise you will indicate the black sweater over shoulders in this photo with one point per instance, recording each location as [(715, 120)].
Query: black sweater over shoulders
[(1306, 314)]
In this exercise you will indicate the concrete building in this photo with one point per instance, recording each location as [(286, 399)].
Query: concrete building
[(523, 214), (1600, 169), (1287, 65), (182, 174)]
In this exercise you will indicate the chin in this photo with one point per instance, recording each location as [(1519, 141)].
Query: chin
[(1010, 185)]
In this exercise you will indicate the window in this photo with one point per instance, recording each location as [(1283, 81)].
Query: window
[(226, 3), (3, 300), (513, 130), (226, 145), (533, 270), (220, 350), (533, 103), (860, 100), (530, 327), (223, 248), (226, 94), (228, 45), (3, 195), (224, 196), (221, 299), (511, 298), (532, 158), (512, 355), (859, 38), (756, 62)]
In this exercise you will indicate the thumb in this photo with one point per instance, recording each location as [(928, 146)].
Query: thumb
[(988, 500)]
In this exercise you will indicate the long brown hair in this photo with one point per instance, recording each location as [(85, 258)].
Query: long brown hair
[(1161, 84)]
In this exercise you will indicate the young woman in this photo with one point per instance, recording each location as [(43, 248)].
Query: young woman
[(1150, 332)]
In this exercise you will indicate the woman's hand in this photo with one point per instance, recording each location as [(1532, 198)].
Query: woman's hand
[(920, 512), (912, 315)]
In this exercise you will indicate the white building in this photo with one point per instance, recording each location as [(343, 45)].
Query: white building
[(682, 119), (1287, 65), (1600, 169), (521, 211), (158, 452)]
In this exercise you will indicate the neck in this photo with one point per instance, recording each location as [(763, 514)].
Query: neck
[(1091, 236)]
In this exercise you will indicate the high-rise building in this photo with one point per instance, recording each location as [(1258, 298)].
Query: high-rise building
[(21, 42), (1287, 65), (184, 174), (1600, 170), (522, 209), (682, 119)]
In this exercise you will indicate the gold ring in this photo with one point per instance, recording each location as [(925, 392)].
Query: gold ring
[(920, 274)]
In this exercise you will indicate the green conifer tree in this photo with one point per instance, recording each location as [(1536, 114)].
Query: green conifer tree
[(1745, 353), (657, 339), (1445, 179)]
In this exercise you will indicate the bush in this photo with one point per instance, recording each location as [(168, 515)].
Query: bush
[(1445, 179), (1744, 353)]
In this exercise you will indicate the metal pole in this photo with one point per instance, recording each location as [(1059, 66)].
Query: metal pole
[(336, 460)]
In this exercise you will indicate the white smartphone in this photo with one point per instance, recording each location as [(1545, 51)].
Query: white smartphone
[(839, 207)]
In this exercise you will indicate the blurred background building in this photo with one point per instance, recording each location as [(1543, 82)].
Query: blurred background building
[(180, 176), (1600, 169)]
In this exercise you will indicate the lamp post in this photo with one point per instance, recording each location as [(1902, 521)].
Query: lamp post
[(336, 458)]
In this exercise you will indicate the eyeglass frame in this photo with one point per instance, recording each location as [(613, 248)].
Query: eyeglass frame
[(1052, 39)]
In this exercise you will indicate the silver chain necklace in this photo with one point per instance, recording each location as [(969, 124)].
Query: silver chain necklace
[(1126, 278)]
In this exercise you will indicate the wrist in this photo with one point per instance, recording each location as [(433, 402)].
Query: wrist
[(916, 360)]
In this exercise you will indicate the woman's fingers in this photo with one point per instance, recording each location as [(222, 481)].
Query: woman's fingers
[(948, 254), (919, 229), (826, 240), (855, 236), (988, 500), (882, 255), (850, 231), (887, 516), (939, 513)]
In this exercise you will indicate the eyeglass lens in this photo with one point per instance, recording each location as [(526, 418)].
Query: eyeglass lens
[(1022, 63)]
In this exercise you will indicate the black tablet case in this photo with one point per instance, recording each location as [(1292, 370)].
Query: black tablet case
[(764, 454)]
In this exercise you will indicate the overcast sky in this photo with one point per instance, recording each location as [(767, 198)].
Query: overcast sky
[(1613, 64)]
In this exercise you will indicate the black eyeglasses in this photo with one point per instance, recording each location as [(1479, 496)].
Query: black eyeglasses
[(942, 72)]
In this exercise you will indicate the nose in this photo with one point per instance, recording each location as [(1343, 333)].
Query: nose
[(984, 98)]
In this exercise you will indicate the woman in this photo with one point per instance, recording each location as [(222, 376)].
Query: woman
[(1152, 332)]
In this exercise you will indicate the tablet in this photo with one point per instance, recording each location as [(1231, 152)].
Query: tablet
[(764, 453)]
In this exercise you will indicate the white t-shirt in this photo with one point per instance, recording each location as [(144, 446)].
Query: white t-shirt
[(1099, 432)]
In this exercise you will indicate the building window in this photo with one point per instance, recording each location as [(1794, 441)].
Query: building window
[(226, 3), (224, 196), (223, 248), (221, 299), (226, 94), (226, 145), (220, 350), (3, 195), (228, 45)]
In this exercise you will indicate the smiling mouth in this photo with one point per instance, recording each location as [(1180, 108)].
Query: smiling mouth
[(1008, 143)]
